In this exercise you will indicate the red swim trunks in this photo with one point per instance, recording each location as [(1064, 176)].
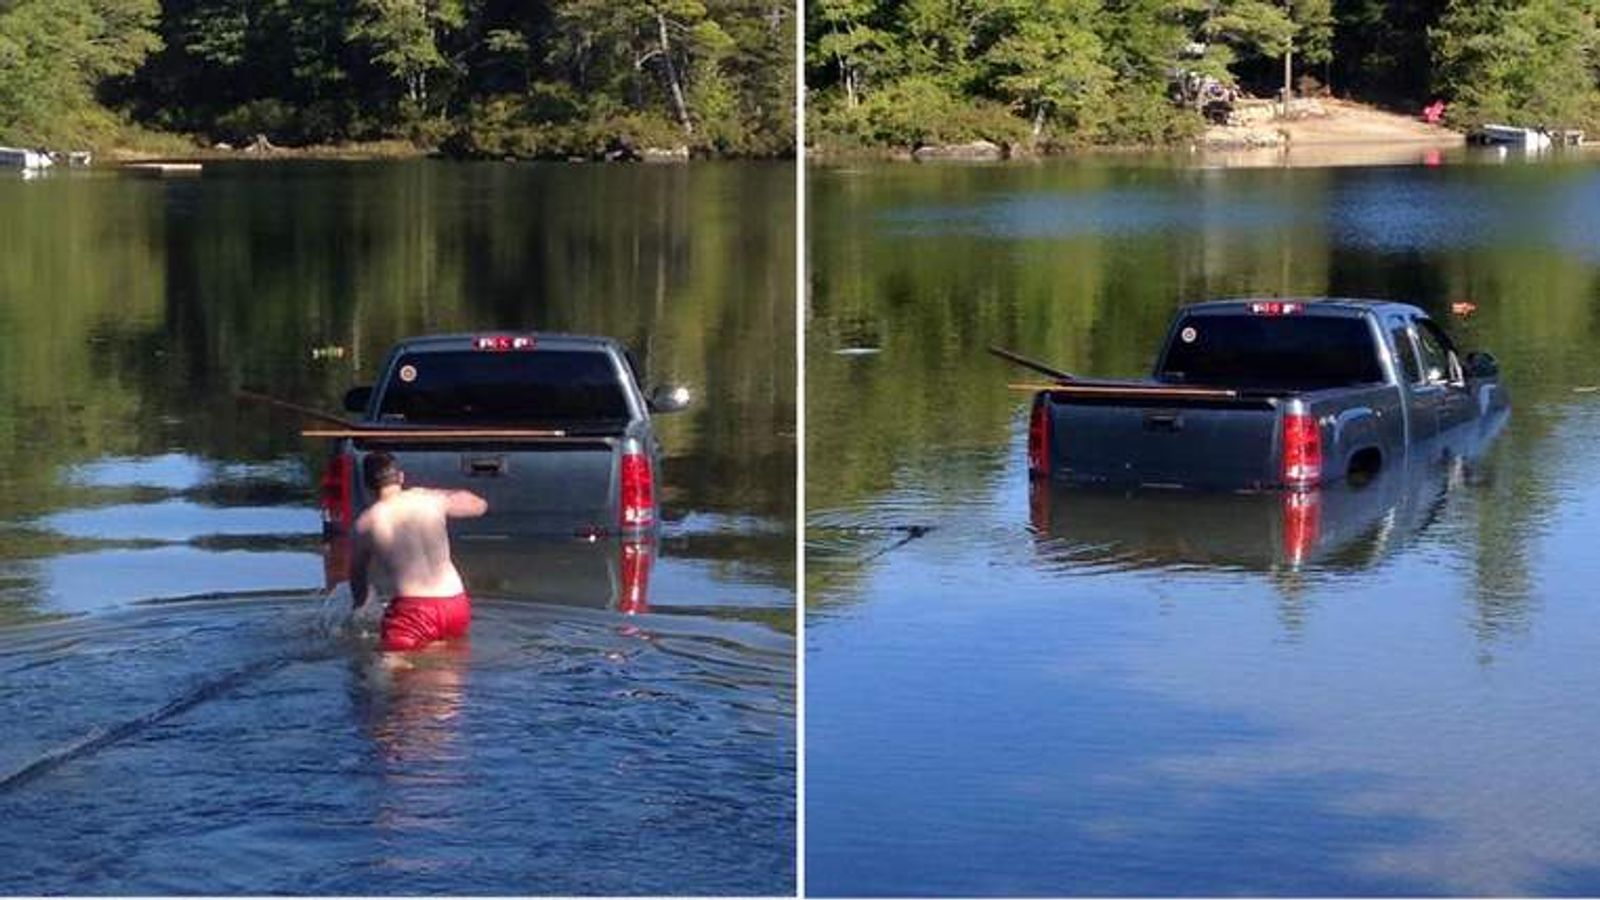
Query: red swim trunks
[(411, 623)]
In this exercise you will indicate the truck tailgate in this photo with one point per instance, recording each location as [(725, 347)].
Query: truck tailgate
[(561, 486), (1150, 437)]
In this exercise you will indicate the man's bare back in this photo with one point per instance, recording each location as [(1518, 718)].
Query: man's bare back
[(406, 537), (403, 534)]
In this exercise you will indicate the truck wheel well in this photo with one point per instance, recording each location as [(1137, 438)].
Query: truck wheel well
[(1364, 465)]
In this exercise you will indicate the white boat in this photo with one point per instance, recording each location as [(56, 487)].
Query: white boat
[(1531, 138), (16, 158)]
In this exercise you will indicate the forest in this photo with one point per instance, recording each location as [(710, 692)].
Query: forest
[(597, 78), (522, 78), (1053, 74)]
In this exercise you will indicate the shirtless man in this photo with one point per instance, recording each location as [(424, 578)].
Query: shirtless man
[(404, 532)]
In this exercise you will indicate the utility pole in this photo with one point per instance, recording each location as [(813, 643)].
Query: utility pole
[(1288, 57)]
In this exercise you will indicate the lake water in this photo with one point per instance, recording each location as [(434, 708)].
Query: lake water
[(186, 713), (1019, 691)]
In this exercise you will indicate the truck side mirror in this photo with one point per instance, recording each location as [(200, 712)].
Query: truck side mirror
[(1481, 365), (356, 399), (669, 399)]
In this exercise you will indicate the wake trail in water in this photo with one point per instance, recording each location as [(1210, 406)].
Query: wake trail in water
[(330, 624), (99, 739)]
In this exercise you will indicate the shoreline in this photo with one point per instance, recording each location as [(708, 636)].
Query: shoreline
[(365, 151), (1322, 127), (394, 150)]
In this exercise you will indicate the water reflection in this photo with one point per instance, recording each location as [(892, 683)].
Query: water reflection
[(603, 573), (420, 704), (134, 310)]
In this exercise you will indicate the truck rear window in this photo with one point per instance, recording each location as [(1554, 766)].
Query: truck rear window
[(1293, 352), (535, 387)]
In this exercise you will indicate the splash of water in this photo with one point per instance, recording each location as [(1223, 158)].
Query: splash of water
[(333, 618)]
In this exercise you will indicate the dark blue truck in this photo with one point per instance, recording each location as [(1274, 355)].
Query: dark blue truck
[(1268, 394)]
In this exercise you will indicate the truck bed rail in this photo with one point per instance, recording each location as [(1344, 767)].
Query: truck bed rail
[(450, 435)]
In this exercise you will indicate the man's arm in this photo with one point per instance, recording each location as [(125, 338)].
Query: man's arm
[(360, 559), (459, 504), (465, 505)]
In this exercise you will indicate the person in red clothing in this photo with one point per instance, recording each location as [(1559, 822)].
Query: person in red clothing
[(404, 532)]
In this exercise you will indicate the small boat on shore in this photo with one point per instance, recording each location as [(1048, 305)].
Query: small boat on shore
[(1510, 135), (19, 158)]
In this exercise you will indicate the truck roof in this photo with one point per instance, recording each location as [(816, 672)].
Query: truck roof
[(547, 339), (1348, 304)]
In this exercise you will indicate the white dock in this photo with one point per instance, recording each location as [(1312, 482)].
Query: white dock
[(161, 169), (19, 158), (1510, 135)]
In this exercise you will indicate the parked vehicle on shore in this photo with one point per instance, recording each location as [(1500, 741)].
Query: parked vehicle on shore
[(1267, 395)]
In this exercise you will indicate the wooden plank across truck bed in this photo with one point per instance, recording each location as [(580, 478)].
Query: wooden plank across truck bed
[(444, 434), (1085, 389)]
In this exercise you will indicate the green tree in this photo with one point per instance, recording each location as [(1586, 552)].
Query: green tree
[(1231, 28), (1049, 62), (615, 43), (55, 53), (1380, 48), (1529, 62), (848, 42), (1313, 36), (405, 37)]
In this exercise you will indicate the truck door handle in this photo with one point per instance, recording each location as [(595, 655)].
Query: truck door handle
[(1163, 422), (485, 466)]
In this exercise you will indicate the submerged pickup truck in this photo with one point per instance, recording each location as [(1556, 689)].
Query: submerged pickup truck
[(1264, 395), (553, 430), (1340, 527)]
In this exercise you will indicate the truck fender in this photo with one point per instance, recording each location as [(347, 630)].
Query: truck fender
[(1357, 437)]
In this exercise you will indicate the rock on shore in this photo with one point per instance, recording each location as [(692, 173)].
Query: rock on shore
[(975, 151)]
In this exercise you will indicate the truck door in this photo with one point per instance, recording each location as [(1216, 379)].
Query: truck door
[(1421, 398), (1457, 406)]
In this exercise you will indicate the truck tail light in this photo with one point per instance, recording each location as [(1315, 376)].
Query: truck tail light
[(1039, 437), (503, 342), (635, 577), (1302, 450), (1276, 308), (336, 493), (1302, 520), (638, 490)]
